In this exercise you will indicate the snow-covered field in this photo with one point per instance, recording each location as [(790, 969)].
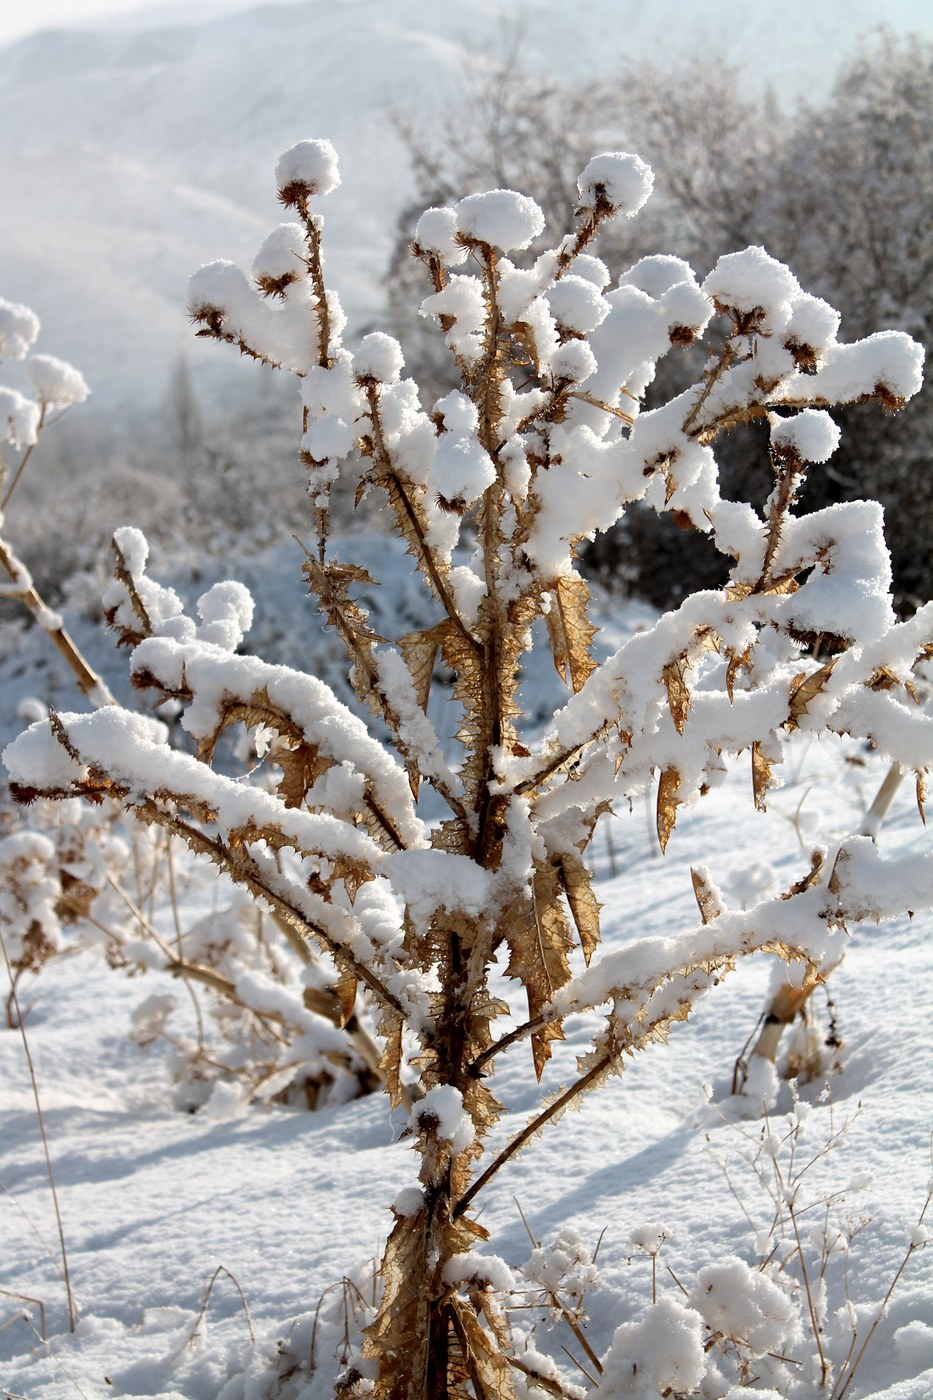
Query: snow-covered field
[(289, 1204)]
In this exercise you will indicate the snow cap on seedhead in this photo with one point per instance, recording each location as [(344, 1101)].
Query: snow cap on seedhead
[(309, 168), (379, 357), (811, 435), (502, 218), (618, 177), (436, 232)]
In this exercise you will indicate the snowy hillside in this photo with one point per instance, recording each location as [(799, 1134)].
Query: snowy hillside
[(131, 154)]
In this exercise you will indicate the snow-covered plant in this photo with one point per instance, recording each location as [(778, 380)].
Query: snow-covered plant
[(493, 488), (805, 1225), (265, 1026)]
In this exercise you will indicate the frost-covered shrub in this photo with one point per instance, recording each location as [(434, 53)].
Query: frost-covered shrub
[(494, 487)]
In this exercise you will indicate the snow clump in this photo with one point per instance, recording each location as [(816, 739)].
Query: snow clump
[(19, 418), (436, 232), (309, 168), (660, 1354), (740, 1302), (482, 1270), (57, 383), (441, 1112), (811, 435), (577, 304), (379, 357), (751, 281), (19, 328), (281, 255), (501, 217), (621, 178)]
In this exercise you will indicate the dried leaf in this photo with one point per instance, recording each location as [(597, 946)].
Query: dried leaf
[(399, 1335), (737, 661), (539, 941), (707, 896), (921, 794), (346, 994), (761, 776), (668, 802), (817, 861), (584, 906), (390, 1066), (804, 689), (420, 652), (300, 766), (674, 677), (488, 1368), (570, 630)]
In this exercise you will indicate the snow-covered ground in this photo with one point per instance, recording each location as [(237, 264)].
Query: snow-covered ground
[(288, 1204)]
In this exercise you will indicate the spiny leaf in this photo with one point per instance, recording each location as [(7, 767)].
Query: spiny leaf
[(300, 766), (399, 1334), (737, 662), (570, 630), (668, 802), (331, 583), (817, 861)]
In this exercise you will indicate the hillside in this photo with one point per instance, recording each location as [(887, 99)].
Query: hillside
[(131, 153)]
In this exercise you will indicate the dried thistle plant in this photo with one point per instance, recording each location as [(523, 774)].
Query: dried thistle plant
[(493, 489)]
